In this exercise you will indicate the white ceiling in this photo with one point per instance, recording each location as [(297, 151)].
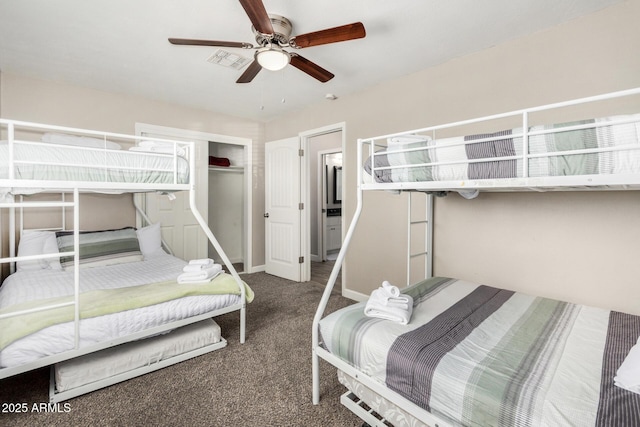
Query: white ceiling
[(121, 45)]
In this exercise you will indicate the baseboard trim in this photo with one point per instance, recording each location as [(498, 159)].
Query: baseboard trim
[(257, 269), (354, 295)]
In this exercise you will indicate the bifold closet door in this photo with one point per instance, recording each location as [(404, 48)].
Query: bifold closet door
[(179, 227)]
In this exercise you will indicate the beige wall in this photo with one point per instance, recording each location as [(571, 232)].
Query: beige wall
[(66, 105), (574, 246)]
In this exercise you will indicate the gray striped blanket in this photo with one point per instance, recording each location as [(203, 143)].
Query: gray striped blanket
[(458, 158), (480, 356)]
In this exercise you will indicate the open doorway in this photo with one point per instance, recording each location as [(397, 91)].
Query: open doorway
[(329, 239), (324, 148)]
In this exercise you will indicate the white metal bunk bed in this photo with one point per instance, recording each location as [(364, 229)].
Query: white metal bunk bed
[(37, 158), (523, 158)]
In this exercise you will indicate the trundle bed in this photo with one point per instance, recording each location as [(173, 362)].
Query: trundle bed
[(100, 306), (474, 355)]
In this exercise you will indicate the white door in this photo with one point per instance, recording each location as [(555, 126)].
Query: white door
[(283, 250)]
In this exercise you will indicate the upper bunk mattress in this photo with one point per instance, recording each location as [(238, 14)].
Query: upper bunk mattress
[(50, 162), (609, 145), (121, 300), (476, 356)]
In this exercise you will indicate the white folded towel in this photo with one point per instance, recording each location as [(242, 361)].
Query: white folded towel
[(201, 276), (196, 265), (628, 374), (383, 306), (382, 296)]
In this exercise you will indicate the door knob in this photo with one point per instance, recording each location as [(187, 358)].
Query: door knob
[(266, 215)]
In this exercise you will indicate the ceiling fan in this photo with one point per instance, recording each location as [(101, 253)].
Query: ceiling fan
[(273, 33)]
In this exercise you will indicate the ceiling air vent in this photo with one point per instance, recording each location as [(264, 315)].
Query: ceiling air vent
[(228, 59)]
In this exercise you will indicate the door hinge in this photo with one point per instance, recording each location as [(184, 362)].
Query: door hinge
[(300, 206), (300, 152), (301, 260)]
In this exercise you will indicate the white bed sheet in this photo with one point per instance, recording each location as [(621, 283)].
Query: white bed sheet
[(41, 284)]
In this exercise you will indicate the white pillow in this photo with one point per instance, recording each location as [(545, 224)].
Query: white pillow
[(150, 239), (38, 242), (82, 141), (51, 247)]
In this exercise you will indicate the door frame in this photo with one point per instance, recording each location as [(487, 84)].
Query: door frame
[(202, 162), (306, 194)]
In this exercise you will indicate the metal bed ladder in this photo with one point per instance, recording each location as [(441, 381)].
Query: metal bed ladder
[(420, 228), (12, 205)]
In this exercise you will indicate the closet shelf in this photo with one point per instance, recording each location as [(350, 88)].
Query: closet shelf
[(227, 168)]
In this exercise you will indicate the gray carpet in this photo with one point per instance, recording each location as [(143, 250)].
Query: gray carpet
[(264, 382)]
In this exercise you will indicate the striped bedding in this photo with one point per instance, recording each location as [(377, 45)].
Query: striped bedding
[(104, 247), (480, 356), (509, 143)]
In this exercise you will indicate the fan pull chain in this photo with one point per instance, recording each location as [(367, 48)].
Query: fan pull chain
[(283, 100), (261, 94)]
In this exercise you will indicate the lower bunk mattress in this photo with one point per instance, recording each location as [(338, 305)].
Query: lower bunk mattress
[(474, 355), (115, 301), (137, 355)]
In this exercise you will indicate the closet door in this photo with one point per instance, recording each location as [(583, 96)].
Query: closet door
[(180, 229)]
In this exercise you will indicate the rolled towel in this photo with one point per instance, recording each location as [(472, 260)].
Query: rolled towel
[(393, 291), (201, 276)]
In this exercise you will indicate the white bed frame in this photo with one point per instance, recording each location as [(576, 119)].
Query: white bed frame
[(367, 147), (11, 128)]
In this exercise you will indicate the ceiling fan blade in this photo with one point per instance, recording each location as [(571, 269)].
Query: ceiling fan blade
[(258, 15), (311, 68), (330, 35), (252, 70), (192, 42)]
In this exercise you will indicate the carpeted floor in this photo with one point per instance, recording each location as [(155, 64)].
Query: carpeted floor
[(264, 382)]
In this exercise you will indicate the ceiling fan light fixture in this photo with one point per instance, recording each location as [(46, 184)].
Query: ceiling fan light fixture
[(272, 58)]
